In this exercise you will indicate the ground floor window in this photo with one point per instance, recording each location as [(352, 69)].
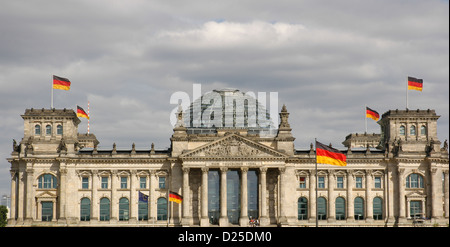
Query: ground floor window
[(415, 208), (47, 211), (161, 208), (359, 208), (302, 208), (340, 208), (105, 212), (85, 209), (322, 208), (377, 208), (124, 209), (143, 210)]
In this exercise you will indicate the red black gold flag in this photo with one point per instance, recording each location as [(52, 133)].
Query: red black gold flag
[(82, 113), (415, 84), (372, 114), (61, 83), (328, 155), (175, 197)]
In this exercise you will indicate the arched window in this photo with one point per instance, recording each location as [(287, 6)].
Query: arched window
[(340, 208), (359, 208), (143, 210), (161, 208), (414, 181), (402, 130), (48, 130), (105, 209), (377, 208), (124, 209), (37, 130), (302, 208), (412, 130), (423, 130), (47, 181), (85, 209), (59, 129), (322, 208)]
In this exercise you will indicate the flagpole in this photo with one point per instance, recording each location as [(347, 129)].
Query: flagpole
[(365, 117), (315, 154), (89, 116), (51, 103), (406, 93), (168, 199)]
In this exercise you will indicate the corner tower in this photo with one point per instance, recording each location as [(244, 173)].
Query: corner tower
[(410, 131), (49, 131)]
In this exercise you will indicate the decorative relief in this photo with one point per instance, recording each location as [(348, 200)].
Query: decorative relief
[(232, 147)]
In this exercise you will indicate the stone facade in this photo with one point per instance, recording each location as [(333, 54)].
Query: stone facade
[(61, 178)]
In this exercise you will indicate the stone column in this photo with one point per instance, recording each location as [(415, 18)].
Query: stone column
[(390, 194), (331, 199), (151, 197), (264, 221), (243, 220), (94, 202), (186, 204), (369, 201), (401, 188), (20, 195), (133, 196), (446, 199), (62, 191), (12, 214), (350, 199), (29, 194), (114, 202), (283, 197), (312, 196), (204, 204), (436, 195), (223, 220)]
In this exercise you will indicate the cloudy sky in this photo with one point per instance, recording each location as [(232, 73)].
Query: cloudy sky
[(326, 60)]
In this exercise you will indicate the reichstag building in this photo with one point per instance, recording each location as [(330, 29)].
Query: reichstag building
[(230, 164)]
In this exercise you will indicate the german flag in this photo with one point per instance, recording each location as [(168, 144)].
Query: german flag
[(61, 83), (415, 84), (82, 113), (328, 155), (372, 114), (175, 197)]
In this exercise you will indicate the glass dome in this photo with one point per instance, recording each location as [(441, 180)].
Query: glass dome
[(227, 108)]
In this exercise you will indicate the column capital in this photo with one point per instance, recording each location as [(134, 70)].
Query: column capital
[(224, 169), (205, 169), (186, 170), (244, 169), (263, 169)]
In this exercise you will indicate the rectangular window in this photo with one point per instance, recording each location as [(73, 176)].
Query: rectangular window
[(162, 182), (104, 182), (321, 182), (47, 211), (302, 182), (85, 183), (143, 182), (378, 182), (340, 182), (123, 182), (359, 182)]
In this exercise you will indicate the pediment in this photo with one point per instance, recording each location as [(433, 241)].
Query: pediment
[(46, 194), (233, 146)]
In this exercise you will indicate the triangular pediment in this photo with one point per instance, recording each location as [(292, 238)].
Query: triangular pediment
[(233, 146), (46, 194)]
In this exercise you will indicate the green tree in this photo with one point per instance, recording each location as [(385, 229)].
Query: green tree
[(3, 212)]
